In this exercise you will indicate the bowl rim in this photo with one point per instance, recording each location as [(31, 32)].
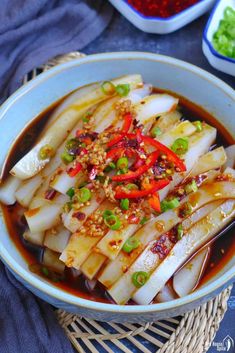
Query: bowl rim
[(208, 42), (162, 19), (58, 293)]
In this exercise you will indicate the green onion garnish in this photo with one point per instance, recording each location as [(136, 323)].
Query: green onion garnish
[(66, 157), (131, 186), (67, 207), (186, 210), (45, 271), (156, 131), (112, 222), (122, 163), (198, 125), (169, 204), (83, 194), (45, 152), (70, 192), (139, 278), (180, 146), (180, 232), (191, 187), (124, 204), (123, 90), (108, 87), (107, 213), (131, 244), (144, 220), (223, 38)]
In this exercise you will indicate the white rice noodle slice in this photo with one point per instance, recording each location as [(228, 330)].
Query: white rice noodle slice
[(112, 243), (229, 171), (183, 129), (72, 223), (199, 234), (8, 189), (188, 277), (58, 130), (57, 238), (199, 143), (165, 295), (51, 259), (168, 121), (80, 245), (154, 105), (148, 260), (27, 189), (34, 238), (45, 217), (93, 264), (230, 152), (211, 160), (139, 93)]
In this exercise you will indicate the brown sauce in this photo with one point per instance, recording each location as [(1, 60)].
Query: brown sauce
[(222, 249)]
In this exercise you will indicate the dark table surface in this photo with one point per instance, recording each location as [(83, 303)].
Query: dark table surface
[(184, 44)]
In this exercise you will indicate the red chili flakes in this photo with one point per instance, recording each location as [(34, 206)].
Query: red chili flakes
[(114, 244), (164, 8), (50, 194), (79, 215), (160, 247)]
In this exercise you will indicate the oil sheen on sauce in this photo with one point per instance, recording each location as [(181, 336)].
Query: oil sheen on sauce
[(222, 249)]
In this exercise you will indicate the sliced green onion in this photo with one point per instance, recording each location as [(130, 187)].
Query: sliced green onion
[(144, 220), (67, 207), (198, 125), (70, 192), (112, 222), (110, 167), (66, 157), (156, 131), (131, 244), (123, 90), (83, 194), (122, 163), (107, 213), (84, 183), (71, 145), (86, 117), (45, 271), (131, 186), (139, 278), (169, 204), (124, 204), (108, 87), (191, 187), (45, 152), (180, 146), (180, 232)]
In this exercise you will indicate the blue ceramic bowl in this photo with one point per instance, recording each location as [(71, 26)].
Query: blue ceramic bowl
[(165, 72)]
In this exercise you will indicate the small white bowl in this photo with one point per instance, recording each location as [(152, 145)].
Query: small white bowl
[(217, 60), (162, 25)]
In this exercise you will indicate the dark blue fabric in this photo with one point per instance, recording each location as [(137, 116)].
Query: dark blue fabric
[(33, 31), (27, 324)]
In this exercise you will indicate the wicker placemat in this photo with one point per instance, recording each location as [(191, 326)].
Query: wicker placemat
[(191, 333)]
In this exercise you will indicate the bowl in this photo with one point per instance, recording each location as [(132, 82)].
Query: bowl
[(26, 103), (217, 60), (161, 25)]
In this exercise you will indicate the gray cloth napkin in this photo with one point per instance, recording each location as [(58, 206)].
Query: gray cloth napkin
[(32, 32)]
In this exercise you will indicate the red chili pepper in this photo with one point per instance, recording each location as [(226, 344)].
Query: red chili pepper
[(141, 170), (127, 123), (133, 219), (72, 172), (134, 194), (116, 152), (170, 154), (50, 194), (79, 132), (154, 202), (125, 128)]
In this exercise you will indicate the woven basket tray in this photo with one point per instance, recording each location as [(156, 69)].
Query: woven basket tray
[(191, 333)]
